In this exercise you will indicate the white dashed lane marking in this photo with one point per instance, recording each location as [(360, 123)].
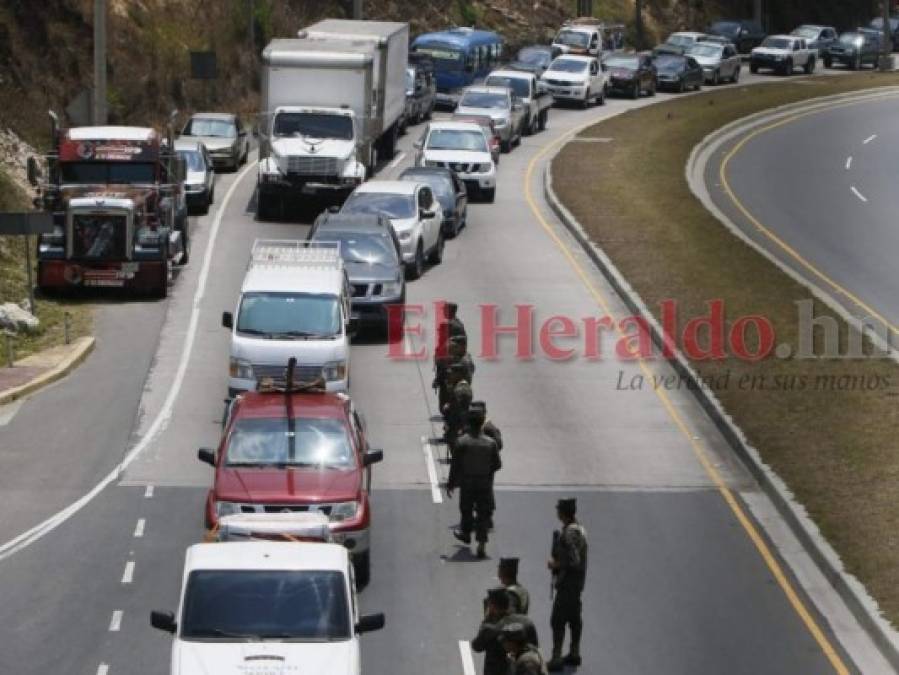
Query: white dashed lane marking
[(102, 669), (432, 471), (115, 623), (848, 162), (148, 493), (128, 575), (467, 658), (858, 194), (869, 139), (139, 528)]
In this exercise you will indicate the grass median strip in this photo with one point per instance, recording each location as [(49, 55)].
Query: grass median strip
[(826, 426)]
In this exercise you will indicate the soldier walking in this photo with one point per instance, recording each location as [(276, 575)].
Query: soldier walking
[(497, 613), (489, 428), (456, 409), (523, 657), (568, 565), (475, 460), (507, 571)]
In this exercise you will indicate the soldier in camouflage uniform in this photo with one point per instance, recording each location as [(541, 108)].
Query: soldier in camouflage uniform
[(523, 656), (569, 567), (455, 410), (497, 613), (475, 460), (450, 326), (489, 428), (507, 571)]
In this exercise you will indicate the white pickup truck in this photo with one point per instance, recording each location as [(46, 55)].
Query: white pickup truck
[(530, 91), (783, 54)]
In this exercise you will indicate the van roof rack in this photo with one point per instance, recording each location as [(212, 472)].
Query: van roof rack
[(296, 253)]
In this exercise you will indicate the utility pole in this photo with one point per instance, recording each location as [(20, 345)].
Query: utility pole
[(357, 9), (99, 101)]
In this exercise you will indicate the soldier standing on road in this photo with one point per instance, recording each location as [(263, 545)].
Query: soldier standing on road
[(497, 613), (450, 326), (475, 460), (489, 428), (507, 571), (456, 409), (523, 656), (458, 350), (569, 567)]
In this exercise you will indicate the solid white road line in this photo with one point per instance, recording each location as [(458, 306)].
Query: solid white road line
[(102, 669), (432, 471), (148, 493), (139, 528), (8, 411), (467, 658), (869, 139), (858, 194), (396, 161), (848, 162), (162, 419), (115, 623), (128, 574)]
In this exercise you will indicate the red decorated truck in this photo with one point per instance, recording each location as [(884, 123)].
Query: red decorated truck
[(119, 210)]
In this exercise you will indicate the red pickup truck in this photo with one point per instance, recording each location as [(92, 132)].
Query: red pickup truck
[(296, 449)]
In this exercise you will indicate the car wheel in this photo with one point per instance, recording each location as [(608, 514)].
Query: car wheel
[(436, 256), (416, 268), (753, 68), (489, 195), (586, 102), (652, 89), (788, 67), (265, 207), (206, 202), (544, 119), (602, 97), (857, 64), (736, 77), (716, 78), (681, 87), (828, 62), (810, 65), (362, 569), (635, 92), (185, 243), (505, 146)]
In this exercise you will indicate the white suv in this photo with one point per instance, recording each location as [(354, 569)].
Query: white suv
[(265, 607), (461, 147), (413, 211)]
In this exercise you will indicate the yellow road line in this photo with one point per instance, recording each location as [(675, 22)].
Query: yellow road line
[(700, 452), (784, 246)]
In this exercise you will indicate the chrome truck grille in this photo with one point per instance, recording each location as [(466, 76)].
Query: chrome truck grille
[(313, 166), (279, 373)]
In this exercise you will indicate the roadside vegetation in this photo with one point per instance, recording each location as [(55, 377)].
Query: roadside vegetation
[(834, 445)]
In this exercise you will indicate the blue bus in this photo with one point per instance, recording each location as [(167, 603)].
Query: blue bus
[(461, 57)]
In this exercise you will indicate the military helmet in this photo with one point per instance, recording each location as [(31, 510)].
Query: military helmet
[(508, 566), (450, 309), (499, 596), (567, 507)]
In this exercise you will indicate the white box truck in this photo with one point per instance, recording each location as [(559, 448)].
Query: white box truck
[(331, 106)]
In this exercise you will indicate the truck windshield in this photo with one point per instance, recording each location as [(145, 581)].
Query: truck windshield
[(572, 38), (391, 205), (520, 86), (286, 316), (456, 139), (568, 66), (236, 605), (200, 126), (316, 125), (107, 173), (309, 442), (777, 43), (482, 99)]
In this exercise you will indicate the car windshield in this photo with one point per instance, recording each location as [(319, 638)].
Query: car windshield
[(568, 66), (629, 62), (483, 99), (285, 316), (671, 62), (203, 126), (851, 39), (777, 43), (229, 605), (391, 205), (374, 248), (314, 125), (107, 173), (301, 441), (572, 38), (520, 86), (537, 57), (806, 32), (705, 49), (725, 28), (442, 185), (457, 139), (680, 40), (194, 160)]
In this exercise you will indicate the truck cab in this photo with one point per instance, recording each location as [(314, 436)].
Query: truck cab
[(119, 208), (266, 607), (579, 38), (528, 89)]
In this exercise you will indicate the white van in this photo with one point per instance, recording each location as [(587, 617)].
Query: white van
[(253, 608), (294, 302)]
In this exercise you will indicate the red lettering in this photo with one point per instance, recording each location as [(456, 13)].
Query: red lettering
[(592, 340), (441, 329), (557, 327), (669, 328), (764, 332), (398, 329), (714, 325), (634, 345), (523, 330)]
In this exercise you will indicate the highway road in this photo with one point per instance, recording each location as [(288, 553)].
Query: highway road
[(822, 184), (676, 583)]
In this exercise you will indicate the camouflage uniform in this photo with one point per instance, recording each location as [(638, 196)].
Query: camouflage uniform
[(496, 608), (528, 662), (571, 555), (475, 460), (521, 599), (456, 410)]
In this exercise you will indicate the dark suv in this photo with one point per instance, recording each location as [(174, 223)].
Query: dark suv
[(854, 49), (742, 33)]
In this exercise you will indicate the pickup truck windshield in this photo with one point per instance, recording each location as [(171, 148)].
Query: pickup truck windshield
[(391, 205), (520, 86), (238, 605), (480, 99), (568, 66), (304, 441), (200, 126), (314, 125), (455, 139), (807, 33), (777, 43), (572, 38), (288, 316), (107, 173)]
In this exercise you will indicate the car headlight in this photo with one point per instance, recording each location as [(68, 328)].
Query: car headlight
[(431, 162), (404, 236), (482, 168), (343, 511), (391, 289), (241, 369), (500, 124), (226, 508), (334, 371), (193, 187)]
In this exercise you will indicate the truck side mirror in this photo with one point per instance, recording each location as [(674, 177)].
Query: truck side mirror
[(227, 320), (34, 171), (206, 456), (164, 621), (370, 622), (373, 457)]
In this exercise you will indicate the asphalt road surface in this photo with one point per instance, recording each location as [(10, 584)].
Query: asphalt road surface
[(675, 584), (824, 184)]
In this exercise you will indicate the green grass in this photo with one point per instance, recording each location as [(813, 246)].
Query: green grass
[(837, 450), (14, 286)]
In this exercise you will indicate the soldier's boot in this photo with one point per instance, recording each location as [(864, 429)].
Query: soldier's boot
[(574, 656), (464, 537), (482, 550), (573, 659), (557, 663)]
